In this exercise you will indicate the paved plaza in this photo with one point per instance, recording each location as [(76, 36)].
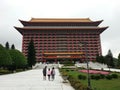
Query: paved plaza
[(32, 80)]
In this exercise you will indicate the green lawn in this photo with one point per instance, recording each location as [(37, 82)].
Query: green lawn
[(102, 84)]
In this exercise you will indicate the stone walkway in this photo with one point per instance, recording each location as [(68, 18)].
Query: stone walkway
[(32, 80)]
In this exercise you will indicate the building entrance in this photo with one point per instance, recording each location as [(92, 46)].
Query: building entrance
[(50, 61)]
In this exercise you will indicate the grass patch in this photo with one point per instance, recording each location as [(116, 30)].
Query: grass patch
[(104, 84)]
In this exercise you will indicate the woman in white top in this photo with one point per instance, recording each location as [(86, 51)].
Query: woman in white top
[(49, 73)]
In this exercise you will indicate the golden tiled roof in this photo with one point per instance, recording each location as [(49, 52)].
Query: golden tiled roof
[(60, 20)]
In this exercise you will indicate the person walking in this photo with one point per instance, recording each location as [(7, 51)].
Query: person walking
[(44, 72), (53, 73), (49, 74)]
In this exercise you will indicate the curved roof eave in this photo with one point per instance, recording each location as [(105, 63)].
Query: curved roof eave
[(94, 23), (19, 29), (68, 28), (24, 22)]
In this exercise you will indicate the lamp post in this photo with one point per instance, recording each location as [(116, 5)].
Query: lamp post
[(88, 74)]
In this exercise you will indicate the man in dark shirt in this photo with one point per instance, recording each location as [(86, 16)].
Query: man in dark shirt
[(44, 72)]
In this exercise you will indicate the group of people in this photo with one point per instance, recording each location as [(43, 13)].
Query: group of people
[(48, 72)]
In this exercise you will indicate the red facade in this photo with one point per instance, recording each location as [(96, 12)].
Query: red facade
[(62, 38)]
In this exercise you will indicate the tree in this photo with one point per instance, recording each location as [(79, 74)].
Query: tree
[(5, 58), (97, 58), (7, 45), (12, 47), (109, 59), (100, 59), (31, 54), (18, 59), (118, 63)]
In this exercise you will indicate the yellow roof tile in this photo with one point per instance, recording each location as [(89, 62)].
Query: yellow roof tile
[(60, 20)]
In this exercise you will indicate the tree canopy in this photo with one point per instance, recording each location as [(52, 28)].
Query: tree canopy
[(18, 58), (118, 63), (7, 45), (5, 58), (12, 47), (109, 59)]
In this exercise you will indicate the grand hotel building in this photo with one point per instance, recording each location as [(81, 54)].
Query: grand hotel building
[(62, 38)]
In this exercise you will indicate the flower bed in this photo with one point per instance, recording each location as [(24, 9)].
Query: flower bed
[(95, 72)]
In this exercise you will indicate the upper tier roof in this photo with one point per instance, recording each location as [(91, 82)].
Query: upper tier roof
[(60, 22)]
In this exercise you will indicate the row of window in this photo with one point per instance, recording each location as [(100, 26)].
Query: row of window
[(65, 49), (90, 55), (70, 46), (59, 34), (62, 44), (45, 37), (61, 39), (74, 36)]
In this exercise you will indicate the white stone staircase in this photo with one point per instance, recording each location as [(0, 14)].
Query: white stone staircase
[(40, 66), (93, 65)]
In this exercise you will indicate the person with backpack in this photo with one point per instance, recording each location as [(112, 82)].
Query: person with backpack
[(53, 73)]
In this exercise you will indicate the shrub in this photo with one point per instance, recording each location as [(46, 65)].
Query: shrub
[(96, 77), (76, 84), (114, 76), (108, 77), (102, 76), (64, 73), (82, 77), (67, 70), (72, 80), (92, 76)]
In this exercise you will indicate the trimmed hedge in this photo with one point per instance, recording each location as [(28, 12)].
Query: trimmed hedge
[(75, 83), (115, 76), (82, 77), (109, 77), (101, 76)]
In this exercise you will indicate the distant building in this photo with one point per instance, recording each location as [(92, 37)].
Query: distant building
[(60, 38)]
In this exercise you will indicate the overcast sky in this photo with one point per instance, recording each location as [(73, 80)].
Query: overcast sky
[(108, 10)]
